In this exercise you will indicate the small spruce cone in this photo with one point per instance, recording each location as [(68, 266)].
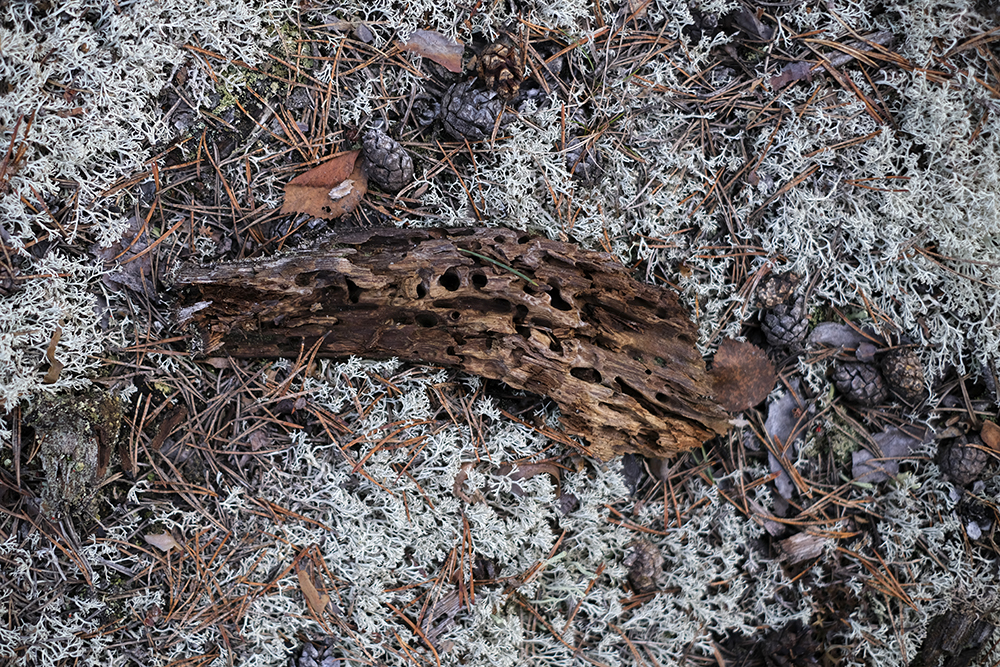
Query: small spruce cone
[(903, 373), (776, 289), (386, 161), (645, 566), (963, 460), (786, 325), (321, 654), (859, 383), (469, 113), (499, 65)]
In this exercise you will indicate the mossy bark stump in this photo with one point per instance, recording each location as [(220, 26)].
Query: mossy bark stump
[(616, 355), (76, 436)]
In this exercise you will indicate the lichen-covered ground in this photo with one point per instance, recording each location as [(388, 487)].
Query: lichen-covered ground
[(358, 512)]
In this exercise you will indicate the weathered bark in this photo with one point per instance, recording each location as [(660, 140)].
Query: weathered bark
[(616, 355)]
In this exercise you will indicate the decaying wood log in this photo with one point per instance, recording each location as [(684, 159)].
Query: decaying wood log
[(616, 355)]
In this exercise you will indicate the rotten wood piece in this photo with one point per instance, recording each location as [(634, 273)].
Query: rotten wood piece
[(618, 356)]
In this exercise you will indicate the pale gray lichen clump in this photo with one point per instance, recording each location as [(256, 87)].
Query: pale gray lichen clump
[(923, 184), (864, 241), (87, 74)]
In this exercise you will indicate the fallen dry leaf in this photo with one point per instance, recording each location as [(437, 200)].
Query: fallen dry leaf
[(787, 420), (457, 485), (162, 541), (526, 470), (317, 602), (835, 334), (333, 189), (791, 72), (742, 376), (991, 435), (802, 546), (752, 26), (437, 47), (894, 445), (131, 255), (638, 8), (364, 33), (55, 366), (167, 426)]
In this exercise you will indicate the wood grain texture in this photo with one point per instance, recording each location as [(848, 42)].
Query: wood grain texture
[(616, 355)]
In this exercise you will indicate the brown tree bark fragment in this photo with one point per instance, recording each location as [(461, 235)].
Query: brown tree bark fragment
[(616, 355)]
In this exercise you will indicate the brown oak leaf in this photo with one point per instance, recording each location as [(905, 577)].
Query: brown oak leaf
[(742, 376), (332, 189), (437, 47)]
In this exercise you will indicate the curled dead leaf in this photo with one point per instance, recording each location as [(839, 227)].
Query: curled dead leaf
[(317, 601), (162, 541), (133, 259), (742, 376), (790, 73), (526, 470), (437, 47), (174, 419), (802, 546), (457, 486), (637, 8), (331, 190), (991, 435), (55, 366)]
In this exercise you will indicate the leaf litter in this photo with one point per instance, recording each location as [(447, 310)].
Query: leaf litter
[(329, 191), (437, 47), (798, 409)]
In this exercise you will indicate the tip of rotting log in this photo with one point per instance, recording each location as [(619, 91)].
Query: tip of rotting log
[(616, 355)]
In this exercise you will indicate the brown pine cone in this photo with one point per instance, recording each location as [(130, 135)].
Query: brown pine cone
[(426, 109), (321, 654), (859, 383), (791, 646), (903, 373), (386, 161), (777, 288), (786, 325), (963, 459), (468, 113), (645, 566), (499, 66)]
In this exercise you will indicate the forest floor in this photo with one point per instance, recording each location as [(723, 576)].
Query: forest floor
[(820, 181)]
